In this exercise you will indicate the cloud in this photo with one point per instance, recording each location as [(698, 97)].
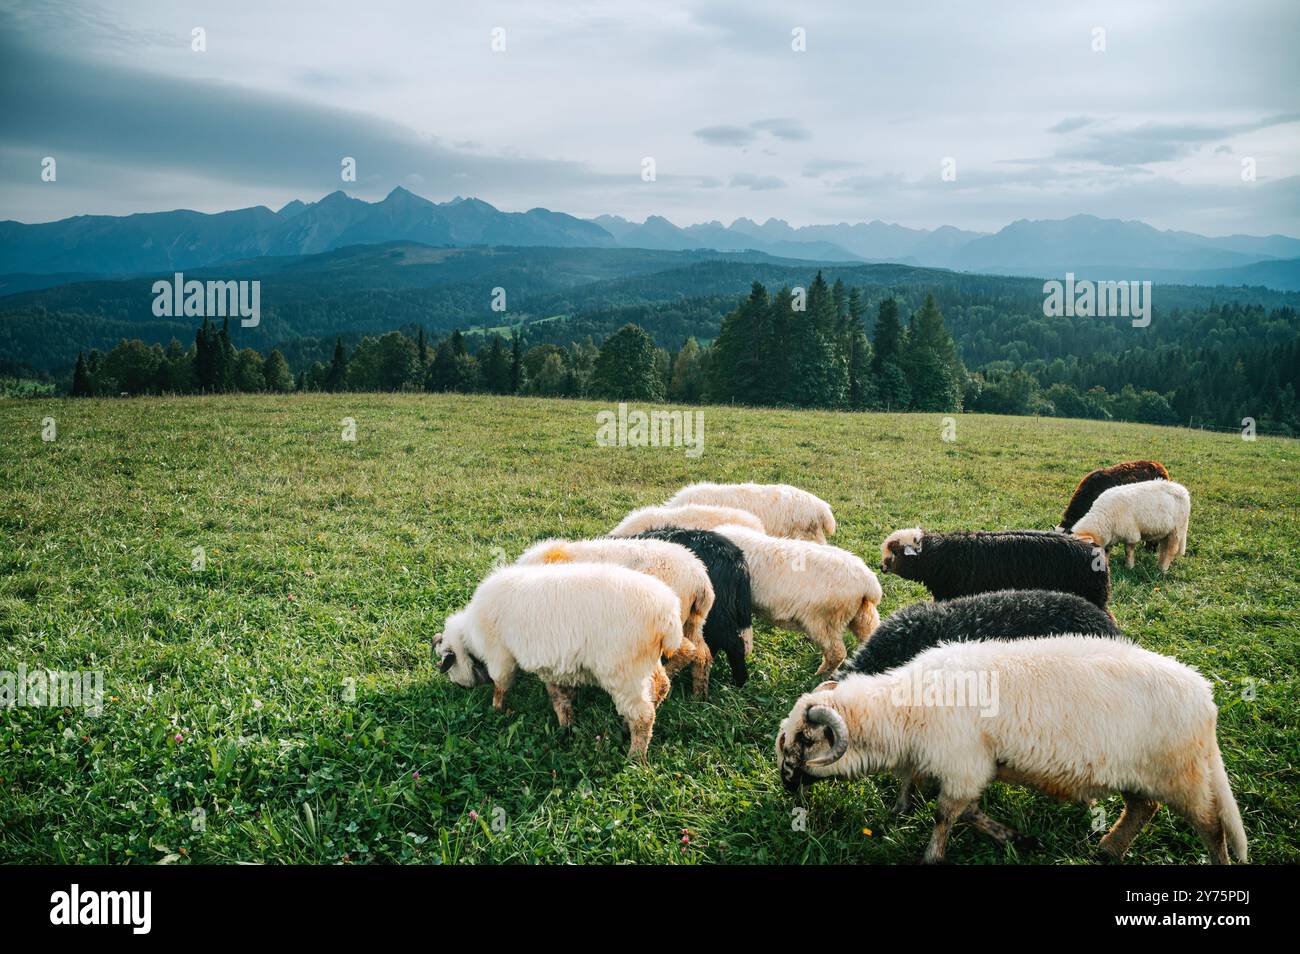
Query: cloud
[(745, 180), (788, 129), (726, 135), (1071, 123), (816, 168), (1161, 141)]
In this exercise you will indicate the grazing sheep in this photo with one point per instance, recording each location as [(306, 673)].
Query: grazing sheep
[(692, 517), (571, 624), (1005, 614), (965, 563), (674, 565), (1101, 480), (813, 587), (1078, 717), (786, 511), (1155, 511), (729, 626)]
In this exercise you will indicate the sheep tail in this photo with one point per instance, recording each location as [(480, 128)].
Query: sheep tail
[(694, 628), (866, 619), (1229, 815), (828, 523), (669, 635)]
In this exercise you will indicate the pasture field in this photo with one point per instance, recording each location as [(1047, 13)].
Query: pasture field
[(270, 697)]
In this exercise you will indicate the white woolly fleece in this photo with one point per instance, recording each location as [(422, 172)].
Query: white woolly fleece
[(1132, 513), (1079, 717), (817, 588), (670, 563), (690, 517), (571, 624), (786, 511)]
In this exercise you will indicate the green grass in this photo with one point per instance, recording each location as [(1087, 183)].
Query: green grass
[(330, 564)]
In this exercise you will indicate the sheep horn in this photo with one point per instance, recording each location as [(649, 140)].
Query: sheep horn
[(826, 716)]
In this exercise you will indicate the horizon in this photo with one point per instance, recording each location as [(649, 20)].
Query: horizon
[(811, 117), (756, 219)]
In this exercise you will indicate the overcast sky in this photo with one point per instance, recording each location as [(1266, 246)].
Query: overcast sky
[(853, 128)]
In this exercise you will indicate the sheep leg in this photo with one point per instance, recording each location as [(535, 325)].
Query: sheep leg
[(682, 658), (866, 621), (638, 710), (562, 703), (950, 809), (1168, 550), (831, 644), (700, 670), (1138, 810), (1216, 840), (1129, 552), (903, 803), (1003, 834), (501, 683), (660, 686)]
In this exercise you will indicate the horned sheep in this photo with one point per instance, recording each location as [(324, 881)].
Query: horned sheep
[(571, 624), (1077, 717)]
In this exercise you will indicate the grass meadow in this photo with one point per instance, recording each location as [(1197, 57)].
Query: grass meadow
[(278, 703)]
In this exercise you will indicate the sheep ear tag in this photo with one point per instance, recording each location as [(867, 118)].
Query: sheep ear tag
[(909, 550)]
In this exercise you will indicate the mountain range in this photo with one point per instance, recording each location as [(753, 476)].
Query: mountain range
[(37, 255)]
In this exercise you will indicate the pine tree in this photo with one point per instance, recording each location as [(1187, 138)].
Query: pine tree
[(934, 371), (337, 378), (892, 391), (495, 365), (857, 349), (516, 364), (81, 378), (422, 348)]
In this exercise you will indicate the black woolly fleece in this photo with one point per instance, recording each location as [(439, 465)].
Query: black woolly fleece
[(1005, 614), (968, 562), (732, 599)]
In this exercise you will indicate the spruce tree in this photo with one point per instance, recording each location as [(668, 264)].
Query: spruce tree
[(516, 363), (81, 378), (337, 378)]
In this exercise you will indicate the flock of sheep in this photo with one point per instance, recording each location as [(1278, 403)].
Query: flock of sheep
[(1076, 709)]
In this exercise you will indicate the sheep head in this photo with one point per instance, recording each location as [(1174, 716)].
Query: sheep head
[(813, 736), (453, 657), (898, 546)]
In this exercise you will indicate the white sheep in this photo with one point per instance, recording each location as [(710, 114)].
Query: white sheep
[(690, 517), (671, 563), (1078, 717), (814, 587), (571, 624), (786, 511), (1155, 510)]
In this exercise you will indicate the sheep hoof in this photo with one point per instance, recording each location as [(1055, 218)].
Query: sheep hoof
[(1027, 843)]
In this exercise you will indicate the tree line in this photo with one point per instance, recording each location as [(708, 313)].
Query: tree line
[(813, 347)]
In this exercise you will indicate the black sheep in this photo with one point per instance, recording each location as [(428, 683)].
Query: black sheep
[(967, 562), (1004, 614), (730, 621)]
